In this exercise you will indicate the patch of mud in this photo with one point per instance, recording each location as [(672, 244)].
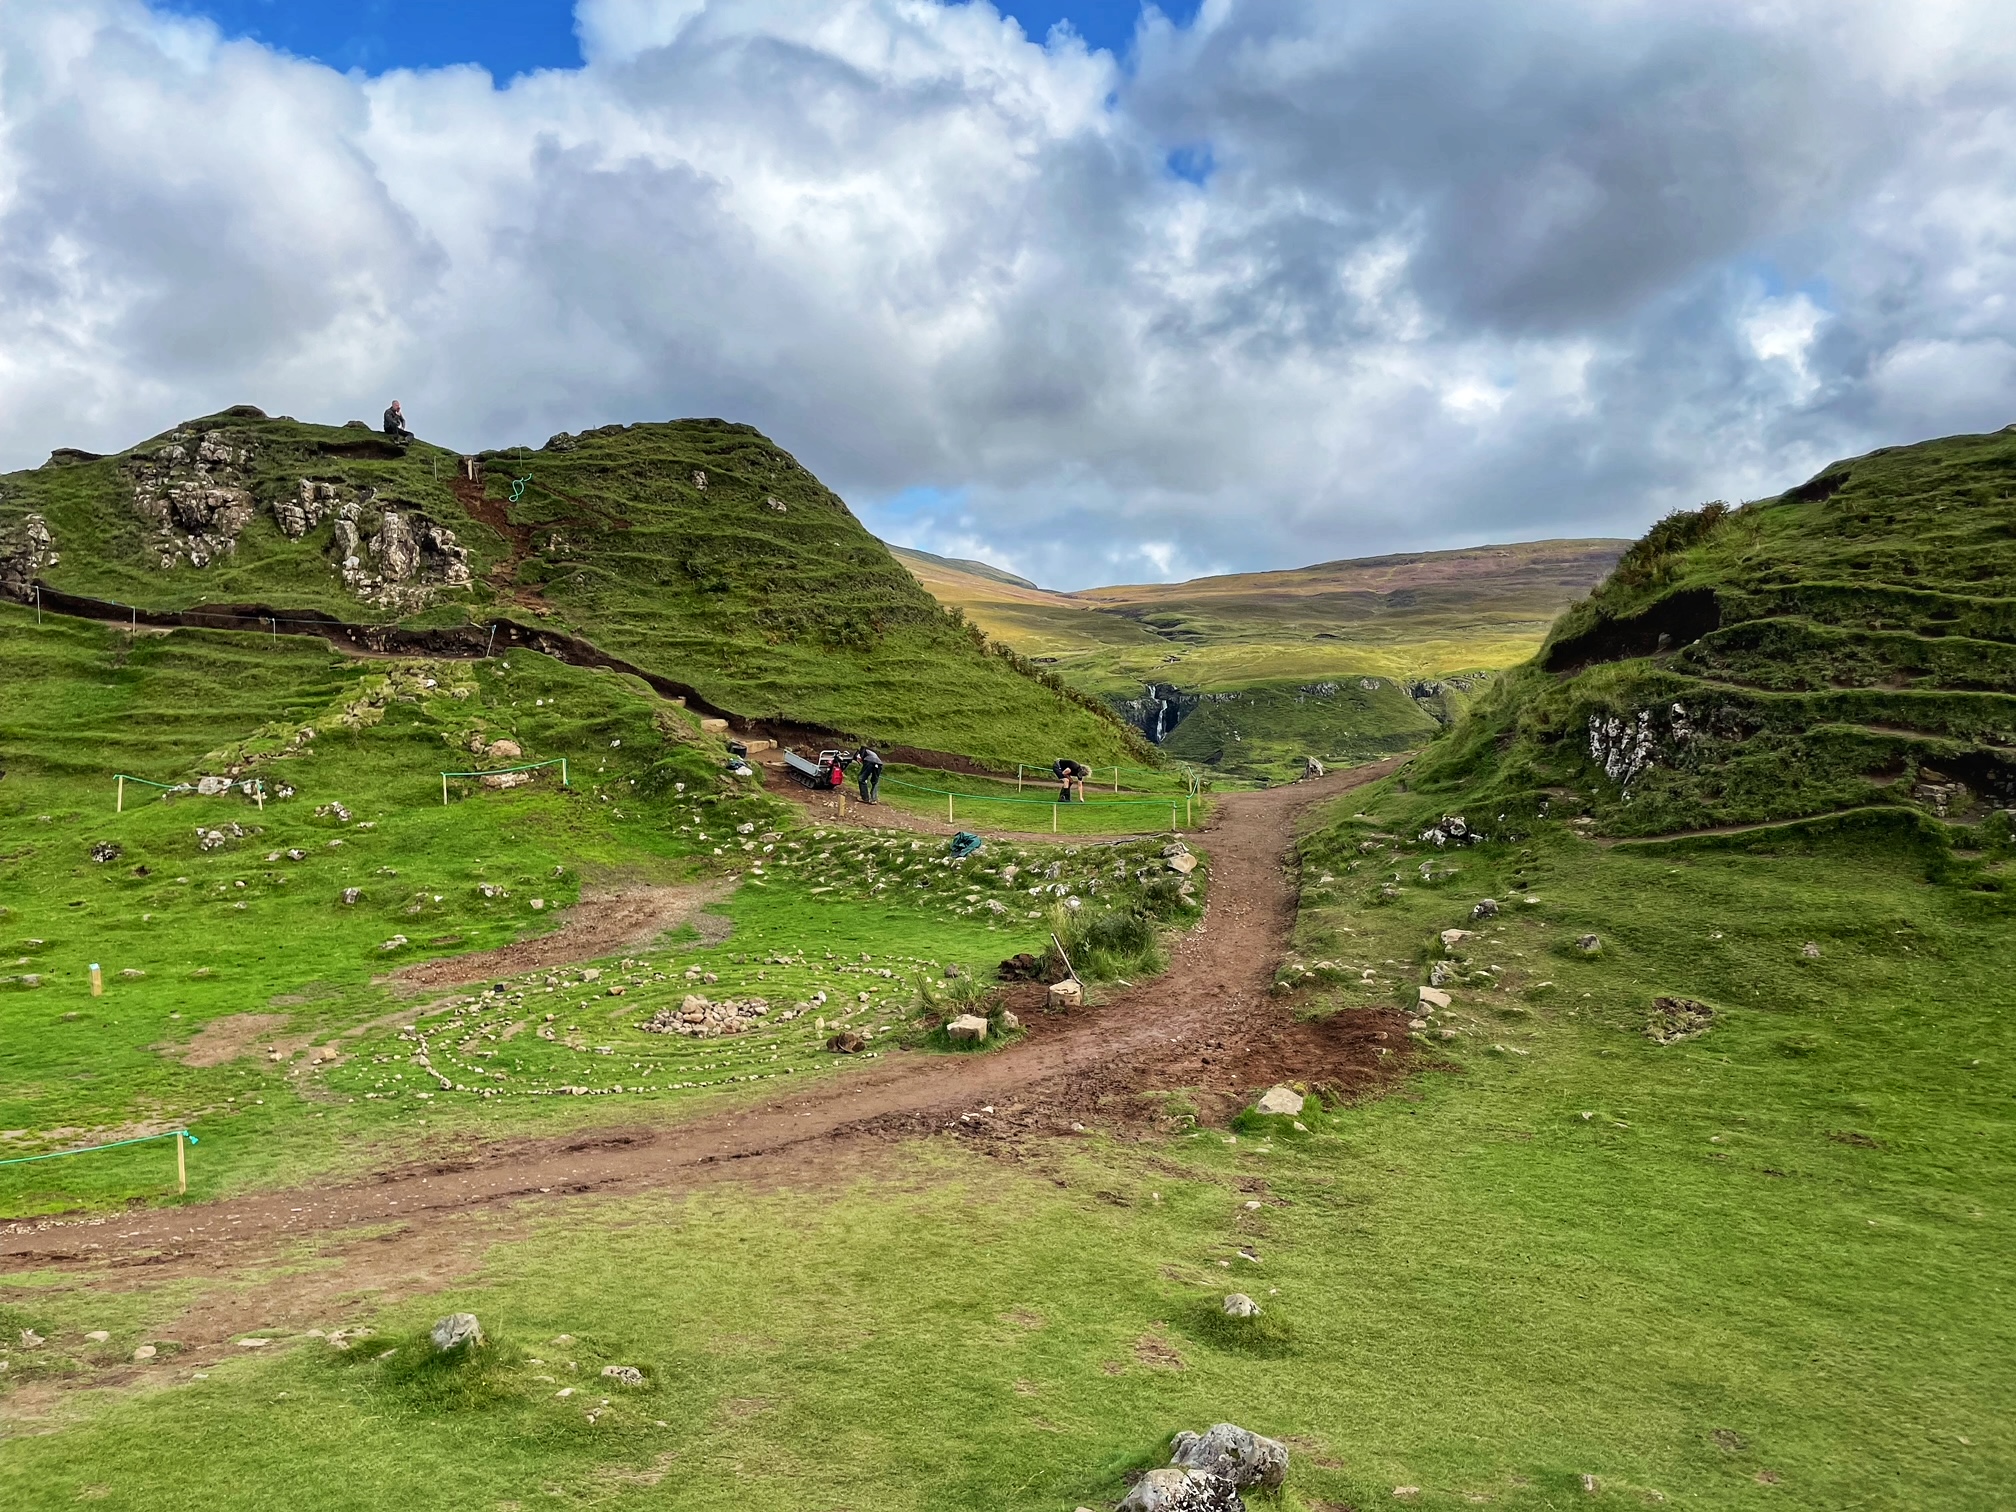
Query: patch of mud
[(602, 924), (224, 1040)]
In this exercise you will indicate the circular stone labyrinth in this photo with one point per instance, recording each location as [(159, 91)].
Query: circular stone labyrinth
[(580, 1033)]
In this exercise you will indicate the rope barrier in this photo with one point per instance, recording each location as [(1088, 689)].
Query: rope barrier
[(530, 766), (178, 1135), (1053, 805), (255, 788)]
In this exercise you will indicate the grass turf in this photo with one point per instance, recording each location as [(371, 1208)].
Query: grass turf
[(1764, 1270)]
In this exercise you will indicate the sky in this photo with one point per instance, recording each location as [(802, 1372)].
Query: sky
[(1099, 292)]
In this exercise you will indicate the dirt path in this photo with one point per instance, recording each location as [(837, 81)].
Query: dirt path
[(1211, 1024), (601, 924)]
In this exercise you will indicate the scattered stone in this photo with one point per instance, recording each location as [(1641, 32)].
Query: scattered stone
[(1239, 1305), (1486, 908), (1009, 1022), (847, 1042), (1451, 938), (1450, 829), (1590, 944), (97, 1336), (1285, 1101), (1434, 997), (1182, 865), (109, 850), (394, 943), (1311, 767), (967, 1029), (31, 1339), (623, 1375), (253, 1343), (145, 1352), (1441, 974), (1066, 995), (456, 1330), (1240, 1456), (1809, 950), (351, 895)]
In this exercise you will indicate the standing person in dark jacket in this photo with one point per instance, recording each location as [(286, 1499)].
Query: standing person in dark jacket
[(871, 774), (1070, 774), (395, 424)]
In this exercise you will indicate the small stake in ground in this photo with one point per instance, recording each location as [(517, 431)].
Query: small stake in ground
[(97, 981), (181, 1163), (121, 807), (948, 808)]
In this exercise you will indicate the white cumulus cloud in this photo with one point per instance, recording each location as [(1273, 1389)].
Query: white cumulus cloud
[(1431, 272)]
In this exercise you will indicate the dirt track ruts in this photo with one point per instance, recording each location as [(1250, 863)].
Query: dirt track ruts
[(1210, 1023)]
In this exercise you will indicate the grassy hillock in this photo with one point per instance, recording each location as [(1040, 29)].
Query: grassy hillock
[(697, 550), (1849, 643), (1253, 672)]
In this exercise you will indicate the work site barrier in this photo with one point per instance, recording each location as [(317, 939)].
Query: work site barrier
[(253, 788), (530, 766), (952, 798), (182, 1137)]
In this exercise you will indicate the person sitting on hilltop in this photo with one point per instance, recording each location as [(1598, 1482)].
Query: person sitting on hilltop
[(395, 424)]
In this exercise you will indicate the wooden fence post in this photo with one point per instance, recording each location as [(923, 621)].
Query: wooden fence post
[(182, 1162)]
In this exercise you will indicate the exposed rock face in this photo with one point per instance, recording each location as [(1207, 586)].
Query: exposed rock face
[(26, 547), (196, 490), (1161, 708), (402, 564), (1626, 747), (311, 504)]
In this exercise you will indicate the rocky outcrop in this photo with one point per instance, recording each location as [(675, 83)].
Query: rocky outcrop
[(196, 491), (26, 547), (403, 562), (1161, 708), (1625, 747)]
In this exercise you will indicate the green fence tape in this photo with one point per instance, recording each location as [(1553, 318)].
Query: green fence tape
[(116, 1144)]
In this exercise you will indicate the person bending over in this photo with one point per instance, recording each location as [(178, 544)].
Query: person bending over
[(871, 774), (1070, 774)]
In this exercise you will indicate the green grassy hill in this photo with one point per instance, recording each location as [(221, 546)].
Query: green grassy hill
[(1252, 672), (1849, 643), (697, 550)]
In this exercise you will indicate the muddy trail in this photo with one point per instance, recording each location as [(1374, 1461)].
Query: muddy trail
[(1210, 1025)]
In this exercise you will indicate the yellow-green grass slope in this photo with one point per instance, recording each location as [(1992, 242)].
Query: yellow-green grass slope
[(1851, 643), (698, 550), (1344, 661)]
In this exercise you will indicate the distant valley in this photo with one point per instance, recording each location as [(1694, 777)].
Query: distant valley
[(1253, 672)]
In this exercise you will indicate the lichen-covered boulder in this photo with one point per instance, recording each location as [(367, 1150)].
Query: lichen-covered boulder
[(1179, 1490), (1240, 1456)]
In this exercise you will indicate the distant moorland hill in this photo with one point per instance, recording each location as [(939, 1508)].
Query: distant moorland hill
[(1253, 671)]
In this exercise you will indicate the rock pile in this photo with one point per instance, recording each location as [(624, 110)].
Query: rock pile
[(701, 1019)]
